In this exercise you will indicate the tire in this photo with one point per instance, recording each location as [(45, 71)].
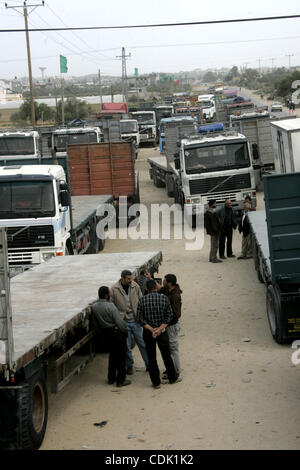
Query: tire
[(275, 316), (33, 401), (96, 244), (256, 261), (170, 191)]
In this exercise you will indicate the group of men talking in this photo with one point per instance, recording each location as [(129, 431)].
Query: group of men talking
[(147, 312), (220, 223)]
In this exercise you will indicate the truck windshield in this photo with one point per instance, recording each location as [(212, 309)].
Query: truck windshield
[(128, 127), (16, 146), (62, 140), (216, 157), (162, 113), (144, 118), (23, 199), (206, 104)]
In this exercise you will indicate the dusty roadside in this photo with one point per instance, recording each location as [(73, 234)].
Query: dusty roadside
[(234, 394)]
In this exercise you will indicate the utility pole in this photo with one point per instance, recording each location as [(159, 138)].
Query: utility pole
[(272, 60), (100, 89), (289, 56), (25, 14), (124, 57), (259, 62)]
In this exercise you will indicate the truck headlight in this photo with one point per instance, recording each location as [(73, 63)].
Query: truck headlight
[(197, 200), (47, 256)]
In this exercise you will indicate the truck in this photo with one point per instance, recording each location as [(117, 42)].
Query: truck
[(162, 112), (276, 253), (63, 137), (147, 126), (213, 165), (48, 333), (286, 142), (129, 129), (256, 126), (165, 122), (25, 144), (207, 103), (44, 219)]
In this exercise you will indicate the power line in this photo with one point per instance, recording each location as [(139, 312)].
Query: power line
[(161, 46), (161, 25), (74, 34)]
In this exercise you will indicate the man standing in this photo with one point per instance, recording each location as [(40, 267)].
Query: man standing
[(154, 313), (108, 317), (244, 228), (228, 223), (213, 227), (172, 290), (125, 294)]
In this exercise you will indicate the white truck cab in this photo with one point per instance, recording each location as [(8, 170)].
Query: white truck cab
[(130, 130), (20, 144), (61, 138), (34, 207), (207, 102), (147, 125), (214, 167)]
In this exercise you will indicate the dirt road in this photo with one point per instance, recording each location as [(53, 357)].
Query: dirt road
[(234, 394)]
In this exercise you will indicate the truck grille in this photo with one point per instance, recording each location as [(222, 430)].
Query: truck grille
[(32, 236), (23, 257), (236, 182)]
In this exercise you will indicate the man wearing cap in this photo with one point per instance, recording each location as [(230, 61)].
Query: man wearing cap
[(213, 228)]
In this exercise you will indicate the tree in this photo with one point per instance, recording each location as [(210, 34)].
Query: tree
[(73, 108), (210, 77), (42, 112), (284, 86)]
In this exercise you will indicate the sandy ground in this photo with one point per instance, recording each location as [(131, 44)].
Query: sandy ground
[(234, 394)]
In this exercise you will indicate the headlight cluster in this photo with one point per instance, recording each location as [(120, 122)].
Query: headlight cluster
[(47, 256)]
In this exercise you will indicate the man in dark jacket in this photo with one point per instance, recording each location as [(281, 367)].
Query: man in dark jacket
[(172, 290), (228, 223), (244, 228), (154, 313), (108, 318), (213, 228)]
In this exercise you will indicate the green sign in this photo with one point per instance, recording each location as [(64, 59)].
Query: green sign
[(63, 64), (136, 72)]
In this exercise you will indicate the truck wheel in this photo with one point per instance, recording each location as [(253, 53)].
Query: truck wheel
[(33, 412), (96, 243), (170, 186), (275, 315)]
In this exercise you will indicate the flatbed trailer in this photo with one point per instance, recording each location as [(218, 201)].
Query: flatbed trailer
[(276, 253), (51, 321)]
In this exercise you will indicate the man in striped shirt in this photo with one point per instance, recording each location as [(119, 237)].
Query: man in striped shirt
[(154, 313)]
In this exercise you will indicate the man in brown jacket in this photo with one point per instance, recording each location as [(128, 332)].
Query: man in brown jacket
[(125, 294)]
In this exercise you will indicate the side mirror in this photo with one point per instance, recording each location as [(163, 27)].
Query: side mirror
[(63, 186), (64, 199), (177, 161), (255, 152)]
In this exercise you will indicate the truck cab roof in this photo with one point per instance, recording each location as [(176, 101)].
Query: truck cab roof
[(19, 134), (56, 171), (76, 130), (214, 138)]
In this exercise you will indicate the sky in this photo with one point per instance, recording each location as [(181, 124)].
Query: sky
[(173, 49)]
